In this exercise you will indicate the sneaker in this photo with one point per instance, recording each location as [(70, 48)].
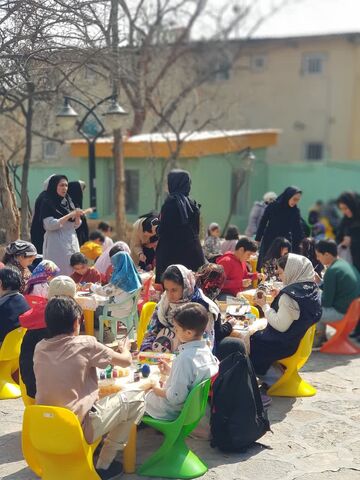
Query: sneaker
[(112, 472), (266, 400)]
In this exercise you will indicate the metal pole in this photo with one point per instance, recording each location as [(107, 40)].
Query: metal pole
[(92, 177)]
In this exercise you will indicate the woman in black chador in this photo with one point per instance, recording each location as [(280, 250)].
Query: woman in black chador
[(178, 231)]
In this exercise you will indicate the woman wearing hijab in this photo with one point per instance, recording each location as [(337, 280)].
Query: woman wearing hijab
[(76, 191), (295, 308), (60, 220), (37, 230), (38, 283), (281, 219), (178, 231), (348, 235), (21, 255), (180, 288)]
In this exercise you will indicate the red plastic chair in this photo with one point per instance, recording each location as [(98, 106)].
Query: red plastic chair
[(145, 294), (34, 318), (339, 344)]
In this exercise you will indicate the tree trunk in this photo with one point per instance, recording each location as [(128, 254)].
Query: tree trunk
[(9, 212), (138, 122), (24, 230), (120, 186), (240, 176)]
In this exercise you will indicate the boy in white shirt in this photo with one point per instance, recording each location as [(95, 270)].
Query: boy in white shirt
[(194, 364)]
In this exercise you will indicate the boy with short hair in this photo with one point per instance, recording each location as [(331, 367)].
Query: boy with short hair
[(194, 364), (82, 272), (65, 370), (237, 276), (341, 285), (93, 248)]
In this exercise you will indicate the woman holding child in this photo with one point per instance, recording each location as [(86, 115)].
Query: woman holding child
[(294, 309)]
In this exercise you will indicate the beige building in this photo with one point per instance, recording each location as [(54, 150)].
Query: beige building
[(309, 87)]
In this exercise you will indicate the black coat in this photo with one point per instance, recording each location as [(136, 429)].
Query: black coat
[(37, 230), (11, 307), (179, 243), (31, 339), (279, 221), (351, 227)]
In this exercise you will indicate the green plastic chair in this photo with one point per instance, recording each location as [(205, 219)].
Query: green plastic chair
[(174, 459), (130, 322)]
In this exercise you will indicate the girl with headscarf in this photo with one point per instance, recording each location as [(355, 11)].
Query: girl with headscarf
[(38, 283), (76, 193), (21, 255), (212, 244), (348, 234), (295, 308), (281, 219), (37, 230), (103, 263), (180, 288), (60, 219), (178, 231), (124, 283)]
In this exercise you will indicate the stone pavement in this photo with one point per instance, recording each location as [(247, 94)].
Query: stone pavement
[(314, 438)]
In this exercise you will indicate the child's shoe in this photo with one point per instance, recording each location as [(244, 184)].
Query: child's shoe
[(114, 471)]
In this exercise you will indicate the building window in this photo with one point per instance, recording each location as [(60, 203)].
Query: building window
[(219, 70), (314, 151), (258, 63), (313, 64), (49, 150), (132, 191)]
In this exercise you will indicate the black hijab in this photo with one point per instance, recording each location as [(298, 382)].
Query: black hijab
[(179, 185), (352, 201), (284, 198), (54, 205), (75, 192)]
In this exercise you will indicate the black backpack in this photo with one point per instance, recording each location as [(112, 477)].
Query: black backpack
[(237, 418)]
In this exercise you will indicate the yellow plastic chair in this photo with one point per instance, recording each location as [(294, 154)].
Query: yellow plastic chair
[(145, 317), (9, 363), (54, 446), (291, 384)]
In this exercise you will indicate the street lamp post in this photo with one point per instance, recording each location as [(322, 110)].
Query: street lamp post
[(67, 117)]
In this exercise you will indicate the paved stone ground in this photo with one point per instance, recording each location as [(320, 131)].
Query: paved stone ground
[(314, 438)]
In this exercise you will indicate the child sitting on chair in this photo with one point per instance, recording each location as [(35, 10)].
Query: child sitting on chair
[(38, 283), (194, 364), (83, 273)]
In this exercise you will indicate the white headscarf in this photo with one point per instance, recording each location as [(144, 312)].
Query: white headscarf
[(298, 269), (104, 261)]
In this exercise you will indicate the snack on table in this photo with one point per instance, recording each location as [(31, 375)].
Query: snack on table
[(108, 386), (152, 358)]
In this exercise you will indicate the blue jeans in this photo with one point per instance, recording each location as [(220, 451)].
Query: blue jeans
[(329, 314)]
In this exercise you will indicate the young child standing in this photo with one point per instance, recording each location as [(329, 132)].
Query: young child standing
[(194, 364), (212, 244)]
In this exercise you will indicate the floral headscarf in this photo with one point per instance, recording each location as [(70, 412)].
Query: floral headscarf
[(191, 293), (44, 272)]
